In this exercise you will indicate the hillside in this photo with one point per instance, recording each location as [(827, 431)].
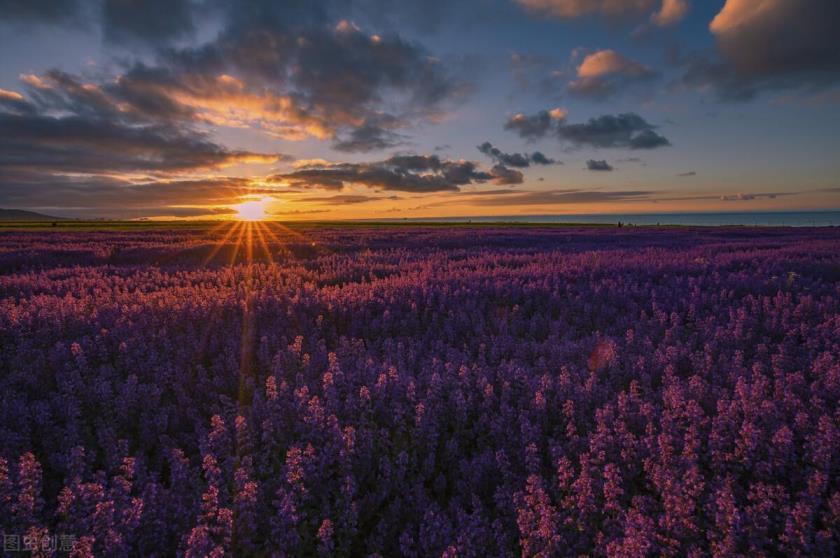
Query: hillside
[(22, 215)]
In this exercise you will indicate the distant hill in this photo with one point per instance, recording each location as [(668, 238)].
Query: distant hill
[(21, 215)]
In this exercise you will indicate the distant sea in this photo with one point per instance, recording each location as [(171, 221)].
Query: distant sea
[(778, 218)]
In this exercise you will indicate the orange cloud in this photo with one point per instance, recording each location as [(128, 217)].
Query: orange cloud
[(605, 62), (606, 72), (227, 101), (34, 81), (10, 95), (670, 11), (577, 8), (740, 13), (558, 114)]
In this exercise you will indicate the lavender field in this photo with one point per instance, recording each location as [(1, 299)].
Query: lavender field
[(256, 390)]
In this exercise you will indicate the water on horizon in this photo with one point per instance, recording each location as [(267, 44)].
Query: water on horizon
[(769, 219)]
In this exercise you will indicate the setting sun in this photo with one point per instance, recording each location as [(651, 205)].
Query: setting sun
[(252, 210)]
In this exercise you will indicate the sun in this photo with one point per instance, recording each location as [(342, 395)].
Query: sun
[(252, 210)]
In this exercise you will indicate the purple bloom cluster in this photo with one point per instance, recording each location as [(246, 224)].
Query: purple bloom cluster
[(422, 391)]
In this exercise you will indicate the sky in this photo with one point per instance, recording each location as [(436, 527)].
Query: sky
[(337, 109)]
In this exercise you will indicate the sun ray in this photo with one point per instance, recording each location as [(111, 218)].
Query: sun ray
[(222, 242), (260, 229), (249, 241), (238, 243), (281, 245), (298, 236)]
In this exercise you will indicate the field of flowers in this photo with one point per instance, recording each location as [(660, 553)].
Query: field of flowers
[(255, 390)]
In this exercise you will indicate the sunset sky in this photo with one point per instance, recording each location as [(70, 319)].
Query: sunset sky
[(392, 109)]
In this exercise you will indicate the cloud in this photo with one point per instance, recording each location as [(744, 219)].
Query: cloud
[(689, 173), (511, 198), (326, 83), (287, 69), (516, 160), (158, 21), (769, 45), (606, 72), (43, 11), (369, 137), (292, 212), (627, 130), (313, 83), (668, 13), (119, 197), (44, 144), (346, 199), (404, 173), (598, 165), (538, 158), (505, 176), (671, 12), (535, 126), (560, 197), (606, 62), (69, 143), (754, 196), (14, 103)]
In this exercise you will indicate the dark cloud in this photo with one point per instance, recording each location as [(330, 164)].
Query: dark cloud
[(628, 130), (516, 160), (598, 165), (689, 173), (535, 126), (786, 44), (162, 22), (291, 69), (327, 82), (505, 176), (44, 144), (158, 21), (753, 196), (45, 11), (405, 173), (369, 137), (539, 159)]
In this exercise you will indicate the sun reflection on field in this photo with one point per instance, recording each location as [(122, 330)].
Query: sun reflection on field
[(252, 241)]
